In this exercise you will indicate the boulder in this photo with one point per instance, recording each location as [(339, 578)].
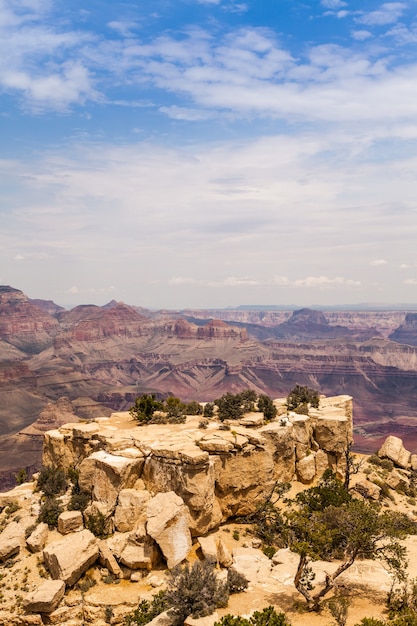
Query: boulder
[(107, 559), (252, 563), (144, 556), (11, 540), (37, 539), (104, 475), (70, 557), (169, 525), (368, 489), (393, 448), (306, 469), (194, 483), (130, 509), (70, 521), (398, 480), (208, 548), (45, 598), (223, 554)]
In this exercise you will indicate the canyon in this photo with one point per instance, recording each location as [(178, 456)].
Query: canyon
[(59, 365)]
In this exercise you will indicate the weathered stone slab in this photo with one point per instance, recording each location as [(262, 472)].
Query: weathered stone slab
[(107, 559), (69, 558), (70, 521), (306, 469), (169, 525), (37, 539), (208, 548), (45, 598), (11, 540)]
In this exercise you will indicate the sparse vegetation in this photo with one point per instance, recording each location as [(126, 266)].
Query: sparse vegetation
[(52, 481), (301, 398), (195, 590), (266, 617), (147, 611), (50, 510)]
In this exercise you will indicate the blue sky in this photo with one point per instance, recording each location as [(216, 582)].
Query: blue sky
[(210, 153)]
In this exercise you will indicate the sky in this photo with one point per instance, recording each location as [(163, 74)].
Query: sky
[(209, 153)]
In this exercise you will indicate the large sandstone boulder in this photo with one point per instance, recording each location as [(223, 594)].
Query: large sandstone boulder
[(130, 509), (169, 525), (306, 469), (11, 540), (45, 598), (393, 448), (104, 475), (69, 558), (193, 482)]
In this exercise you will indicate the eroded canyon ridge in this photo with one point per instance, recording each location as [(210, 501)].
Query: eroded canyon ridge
[(58, 365)]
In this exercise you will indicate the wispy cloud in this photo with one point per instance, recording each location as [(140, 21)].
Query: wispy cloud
[(388, 13)]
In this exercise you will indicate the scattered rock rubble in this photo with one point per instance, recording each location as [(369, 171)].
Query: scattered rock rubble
[(163, 492)]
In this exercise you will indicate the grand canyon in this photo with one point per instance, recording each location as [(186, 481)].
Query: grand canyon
[(59, 365)]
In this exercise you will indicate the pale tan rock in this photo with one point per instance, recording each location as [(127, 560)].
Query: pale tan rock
[(70, 521), (252, 563), (332, 433), (224, 556), (143, 556), (215, 443), (398, 480), (252, 419), (45, 598), (107, 559), (306, 469), (195, 484), (285, 565), (11, 540), (302, 428), (243, 479), (117, 543), (104, 475), (66, 616), (413, 461), (163, 619), (368, 489), (322, 462), (209, 620), (70, 557), (169, 525), (37, 539), (393, 449), (208, 548), (281, 447), (130, 509), (27, 620)]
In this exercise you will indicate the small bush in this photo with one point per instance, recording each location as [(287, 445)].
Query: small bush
[(79, 501), (147, 611), (195, 591), (385, 464), (52, 481), (96, 524), (12, 508), (269, 551), (236, 581), (203, 423), (266, 617), (50, 511)]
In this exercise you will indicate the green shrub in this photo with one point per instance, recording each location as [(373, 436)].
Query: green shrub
[(385, 464), (96, 524), (195, 591), (50, 511), (147, 611), (266, 617), (52, 481), (301, 397), (79, 501), (208, 410)]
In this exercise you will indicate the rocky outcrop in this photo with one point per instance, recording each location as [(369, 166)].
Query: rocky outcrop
[(393, 448), (216, 473), (407, 331), (168, 524)]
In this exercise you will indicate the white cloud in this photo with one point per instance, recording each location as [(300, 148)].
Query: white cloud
[(404, 266), (378, 262), (410, 281), (333, 4), (388, 13), (361, 35)]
